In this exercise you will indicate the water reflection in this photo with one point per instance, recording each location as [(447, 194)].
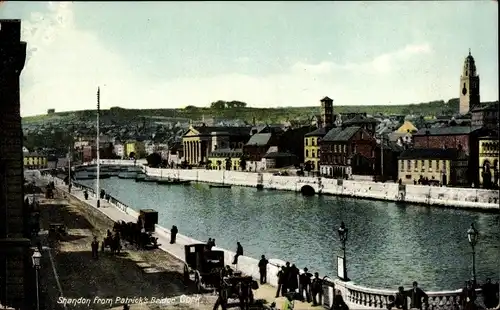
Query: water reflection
[(388, 244)]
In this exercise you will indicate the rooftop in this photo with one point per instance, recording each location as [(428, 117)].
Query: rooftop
[(260, 139), (320, 132), (341, 134), (447, 131)]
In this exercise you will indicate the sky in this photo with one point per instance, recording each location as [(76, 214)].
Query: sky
[(267, 54)]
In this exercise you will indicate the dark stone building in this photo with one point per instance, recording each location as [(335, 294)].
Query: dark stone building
[(486, 116), (463, 138), (16, 276), (347, 151)]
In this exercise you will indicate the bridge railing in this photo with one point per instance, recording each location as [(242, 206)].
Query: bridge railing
[(360, 297)]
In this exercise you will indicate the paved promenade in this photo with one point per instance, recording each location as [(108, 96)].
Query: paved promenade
[(265, 292)]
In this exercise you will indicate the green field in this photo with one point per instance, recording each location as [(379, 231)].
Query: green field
[(270, 115)]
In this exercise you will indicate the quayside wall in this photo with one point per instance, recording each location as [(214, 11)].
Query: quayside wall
[(470, 198), (357, 297)]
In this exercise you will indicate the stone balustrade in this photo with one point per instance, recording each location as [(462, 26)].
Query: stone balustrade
[(359, 297)]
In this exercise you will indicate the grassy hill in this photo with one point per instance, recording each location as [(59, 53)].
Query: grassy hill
[(269, 115)]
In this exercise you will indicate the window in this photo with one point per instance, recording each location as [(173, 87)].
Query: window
[(312, 142), (408, 165), (422, 163), (335, 148), (444, 165), (437, 165), (402, 165), (307, 141), (345, 148), (312, 154), (307, 153)]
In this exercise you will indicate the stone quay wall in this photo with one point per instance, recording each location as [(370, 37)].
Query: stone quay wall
[(429, 195)]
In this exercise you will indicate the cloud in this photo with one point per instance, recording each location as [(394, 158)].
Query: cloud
[(66, 64), (382, 64)]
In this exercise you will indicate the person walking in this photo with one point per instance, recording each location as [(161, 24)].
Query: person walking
[(239, 252), (317, 289), (263, 269), (95, 248), (305, 285), (281, 280), (490, 291), (418, 297), (173, 234)]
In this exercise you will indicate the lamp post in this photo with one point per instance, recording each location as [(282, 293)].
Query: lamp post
[(472, 235), (341, 260), (36, 257)]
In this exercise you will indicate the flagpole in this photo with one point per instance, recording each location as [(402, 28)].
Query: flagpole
[(98, 193)]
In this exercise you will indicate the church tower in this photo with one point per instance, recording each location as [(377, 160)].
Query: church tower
[(469, 86), (327, 112)]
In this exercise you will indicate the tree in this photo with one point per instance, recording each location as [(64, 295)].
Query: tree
[(243, 163), (154, 160), (218, 105), (208, 164), (228, 163)]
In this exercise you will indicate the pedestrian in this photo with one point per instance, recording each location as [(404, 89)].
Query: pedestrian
[(317, 289), (305, 285), (95, 248), (126, 307), (239, 252), (263, 269), (401, 301), (418, 297), (281, 281), (173, 234), (468, 294), (286, 282), (490, 291), (293, 279), (86, 194)]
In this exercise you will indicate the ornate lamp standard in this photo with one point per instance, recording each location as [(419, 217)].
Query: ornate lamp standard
[(341, 260), (472, 235), (36, 257)]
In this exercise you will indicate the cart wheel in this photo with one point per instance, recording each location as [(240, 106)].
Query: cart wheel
[(197, 281), (186, 274)]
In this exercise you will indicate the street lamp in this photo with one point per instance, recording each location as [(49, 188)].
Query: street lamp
[(341, 260), (36, 257), (472, 235)]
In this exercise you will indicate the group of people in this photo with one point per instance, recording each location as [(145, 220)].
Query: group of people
[(113, 241), (291, 282), (419, 299)]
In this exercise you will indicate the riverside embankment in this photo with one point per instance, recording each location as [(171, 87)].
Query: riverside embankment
[(358, 297), (467, 198)]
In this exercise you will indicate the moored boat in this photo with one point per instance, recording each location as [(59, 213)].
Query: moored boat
[(220, 185), (127, 175), (172, 182)]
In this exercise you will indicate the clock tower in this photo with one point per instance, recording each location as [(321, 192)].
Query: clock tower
[(469, 86)]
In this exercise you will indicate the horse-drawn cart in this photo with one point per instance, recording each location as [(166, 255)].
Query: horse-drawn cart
[(203, 266)]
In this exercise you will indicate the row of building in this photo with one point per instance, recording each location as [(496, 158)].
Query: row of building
[(461, 151)]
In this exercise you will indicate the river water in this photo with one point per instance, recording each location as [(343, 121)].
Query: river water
[(388, 244)]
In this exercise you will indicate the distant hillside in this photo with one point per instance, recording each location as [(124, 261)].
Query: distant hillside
[(269, 115)]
